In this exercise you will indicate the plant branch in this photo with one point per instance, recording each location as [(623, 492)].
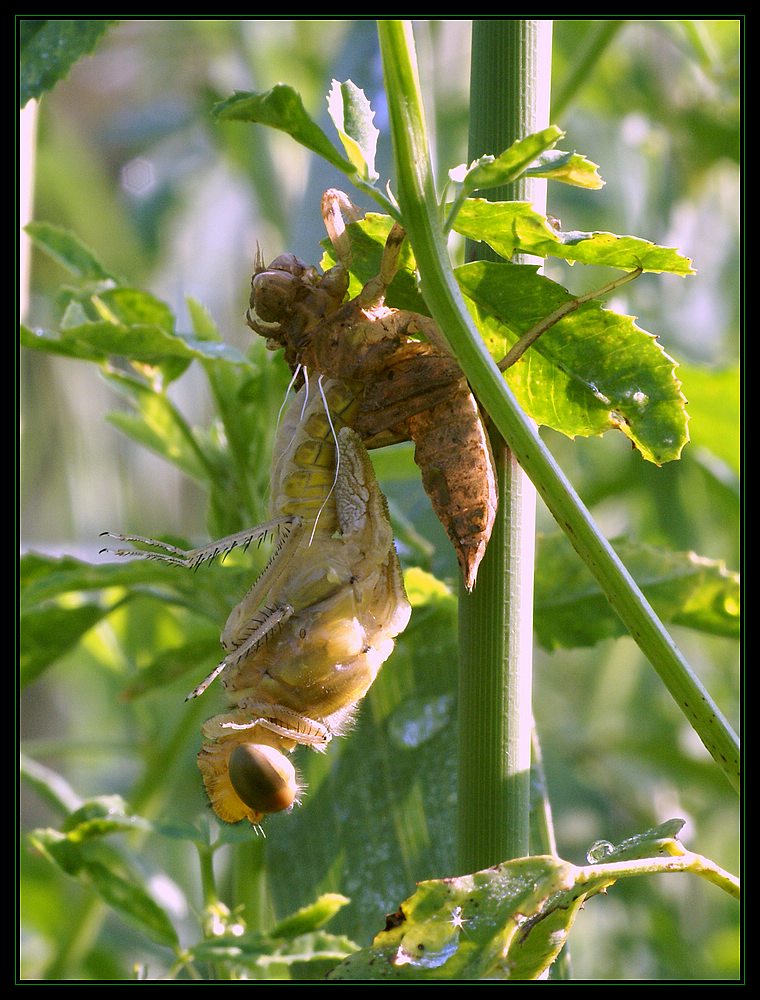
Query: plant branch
[(420, 212)]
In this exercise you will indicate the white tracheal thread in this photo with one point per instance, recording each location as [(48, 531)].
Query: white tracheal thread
[(302, 369), (299, 368), (337, 458)]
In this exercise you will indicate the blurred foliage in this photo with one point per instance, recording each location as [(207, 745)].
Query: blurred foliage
[(127, 158)]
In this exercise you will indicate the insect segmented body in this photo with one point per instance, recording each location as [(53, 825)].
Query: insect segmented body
[(307, 640), (396, 363)]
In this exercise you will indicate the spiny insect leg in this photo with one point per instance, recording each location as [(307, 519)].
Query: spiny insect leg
[(190, 558), (269, 621), (274, 619), (286, 723), (337, 210), (237, 632), (374, 291)]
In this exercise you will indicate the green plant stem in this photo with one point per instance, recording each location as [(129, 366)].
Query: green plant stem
[(696, 864), (496, 620), (208, 879), (417, 198), (495, 673)]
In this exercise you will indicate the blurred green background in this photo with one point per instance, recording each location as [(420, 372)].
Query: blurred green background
[(126, 156)]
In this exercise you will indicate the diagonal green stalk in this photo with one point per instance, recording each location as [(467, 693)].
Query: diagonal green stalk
[(601, 37), (417, 200)]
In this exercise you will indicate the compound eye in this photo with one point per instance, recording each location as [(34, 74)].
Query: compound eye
[(291, 264), (263, 778), (273, 294)]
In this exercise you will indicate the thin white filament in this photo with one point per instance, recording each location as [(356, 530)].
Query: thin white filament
[(292, 382), (337, 458), (285, 451)]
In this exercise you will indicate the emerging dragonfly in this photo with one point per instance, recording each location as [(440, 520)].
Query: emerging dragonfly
[(307, 640), (398, 366)]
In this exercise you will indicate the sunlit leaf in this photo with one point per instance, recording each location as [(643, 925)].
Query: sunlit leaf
[(261, 951), (133, 307), (661, 839), (44, 577), (593, 371), (282, 108), (510, 921), (512, 227), (491, 171), (464, 928), (311, 917), (423, 588), (100, 817), (353, 117), (567, 168)]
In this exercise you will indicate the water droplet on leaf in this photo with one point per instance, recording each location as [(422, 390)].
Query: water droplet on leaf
[(599, 850)]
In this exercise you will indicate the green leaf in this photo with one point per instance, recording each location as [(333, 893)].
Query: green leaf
[(132, 307), (494, 171), (282, 108), (464, 928), (510, 921), (715, 411), (49, 633), (511, 227), (592, 371), (58, 849), (50, 342), (68, 250), (181, 829), (203, 323), (661, 839), (159, 426), (49, 48), (51, 787), (353, 117), (259, 951), (683, 588), (209, 594), (143, 344), (311, 917), (106, 873), (43, 577), (129, 899), (568, 168), (100, 817)]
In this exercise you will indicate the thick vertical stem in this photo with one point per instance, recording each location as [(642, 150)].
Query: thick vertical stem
[(509, 98)]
